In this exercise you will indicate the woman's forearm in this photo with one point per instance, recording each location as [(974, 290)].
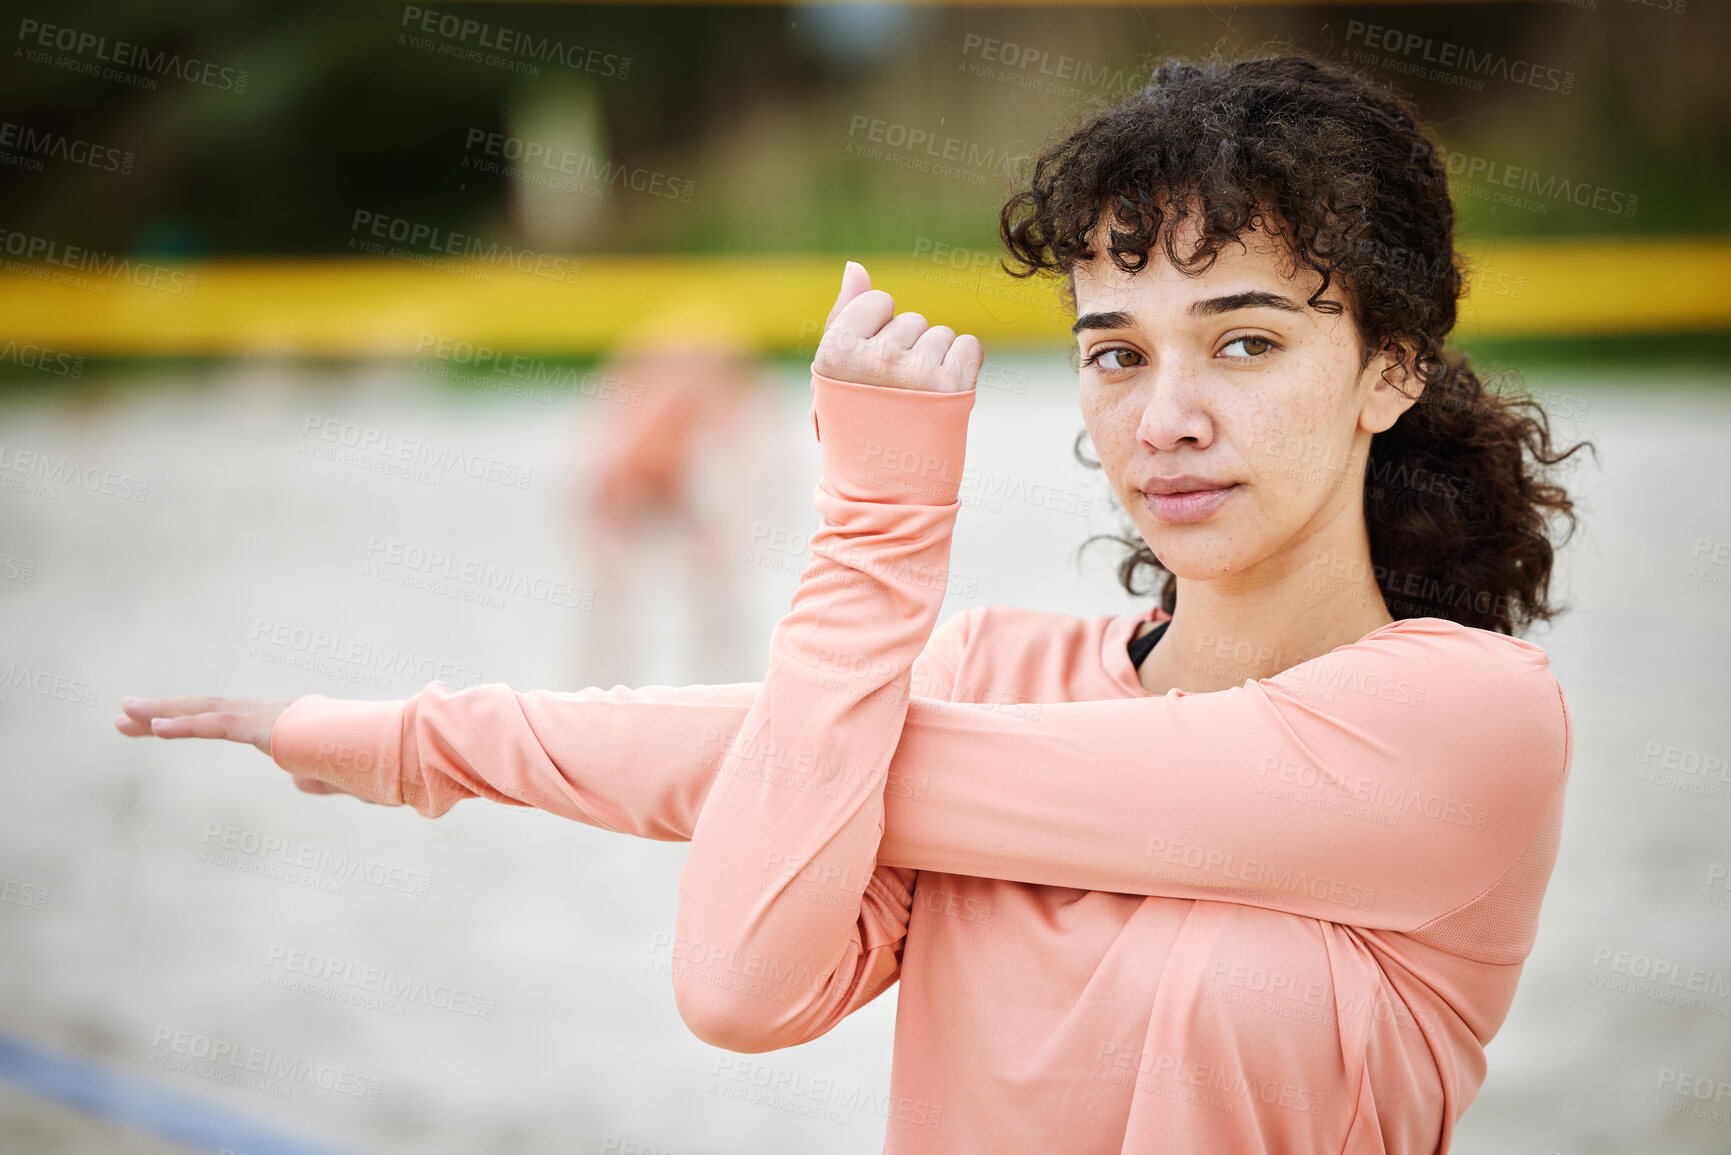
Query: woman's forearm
[(782, 871)]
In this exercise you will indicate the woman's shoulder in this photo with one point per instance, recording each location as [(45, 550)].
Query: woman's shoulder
[(1466, 686), (1445, 644), (1440, 651)]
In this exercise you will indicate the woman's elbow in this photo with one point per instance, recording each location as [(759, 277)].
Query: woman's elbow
[(732, 1012)]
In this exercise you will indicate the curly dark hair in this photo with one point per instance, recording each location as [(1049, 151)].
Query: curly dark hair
[(1458, 499)]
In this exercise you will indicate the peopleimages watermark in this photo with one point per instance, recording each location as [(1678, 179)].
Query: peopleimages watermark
[(696, 961), (42, 359), (467, 579), (942, 263), (1423, 272), (925, 150), (1710, 561), (803, 769), (1690, 1094), (480, 42), (22, 146), (1487, 179), (615, 1145), (748, 1079), (433, 242), (1675, 6), (30, 895), (1306, 996), (350, 659), (415, 458), (535, 162), (931, 694), (1321, 678), (255, 1068), (1338, 575), (119, 60), (485, 367), (47, 684), (1203, 867), (1187, 1079), (88, 270), (1660, 980), (38, 473), (367, 987), (1718, 892), (1354, 796), (781, 549), (1450, 63), (304, 863), (17, 569), (1705, 775), (1039, 70)]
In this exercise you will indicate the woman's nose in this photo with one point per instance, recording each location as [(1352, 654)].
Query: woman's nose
[(1174, 410)]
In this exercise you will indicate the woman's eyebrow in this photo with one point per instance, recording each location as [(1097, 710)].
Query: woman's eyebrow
[(1207, 307), (1253, 299), (1103, 321)]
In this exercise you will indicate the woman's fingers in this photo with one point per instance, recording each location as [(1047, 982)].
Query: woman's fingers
[(903, 331), (927, 353), (860, 319), (851, 346), (234, 727), (252, 727), (867, 341), (234, 719), (141, 712), (854, 281), (962, 362), (144, 709), (130, 726)]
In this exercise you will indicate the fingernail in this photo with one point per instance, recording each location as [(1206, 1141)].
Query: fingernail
[(129, 702), (158, 723)]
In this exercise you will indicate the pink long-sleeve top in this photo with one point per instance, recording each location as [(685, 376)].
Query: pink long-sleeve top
[(1282, 917)]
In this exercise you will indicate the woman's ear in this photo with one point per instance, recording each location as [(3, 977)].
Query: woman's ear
[(1394, 386)]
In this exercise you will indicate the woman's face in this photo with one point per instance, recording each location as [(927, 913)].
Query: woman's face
[(1232, 419)]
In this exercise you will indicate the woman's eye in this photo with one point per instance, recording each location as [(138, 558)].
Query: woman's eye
[(1115, 359), (1251, 346)]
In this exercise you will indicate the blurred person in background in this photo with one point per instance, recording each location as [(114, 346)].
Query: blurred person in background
[(660, 505)]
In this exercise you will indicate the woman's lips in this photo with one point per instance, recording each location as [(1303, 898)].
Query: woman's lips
[(1191, 506)]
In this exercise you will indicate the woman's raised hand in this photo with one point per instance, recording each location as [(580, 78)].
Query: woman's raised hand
[(867, 342), (236, 719)]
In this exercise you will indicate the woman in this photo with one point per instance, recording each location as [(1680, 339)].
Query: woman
[(1257, 876)]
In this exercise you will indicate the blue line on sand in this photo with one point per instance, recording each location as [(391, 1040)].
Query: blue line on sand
[(136, 1103)]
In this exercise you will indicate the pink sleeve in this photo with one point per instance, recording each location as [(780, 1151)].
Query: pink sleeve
[(786, 922), (1383, 785), (1265, 794), (1319, 791)]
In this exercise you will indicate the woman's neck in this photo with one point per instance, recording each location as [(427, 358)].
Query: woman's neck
[(1228, 630)]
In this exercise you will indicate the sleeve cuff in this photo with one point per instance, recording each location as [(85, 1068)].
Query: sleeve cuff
[(890, 445), (355, 745)]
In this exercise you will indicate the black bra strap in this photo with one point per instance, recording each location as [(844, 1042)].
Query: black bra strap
[(1140, 647)]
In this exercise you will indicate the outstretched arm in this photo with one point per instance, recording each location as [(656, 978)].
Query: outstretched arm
[(1267, 794)]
